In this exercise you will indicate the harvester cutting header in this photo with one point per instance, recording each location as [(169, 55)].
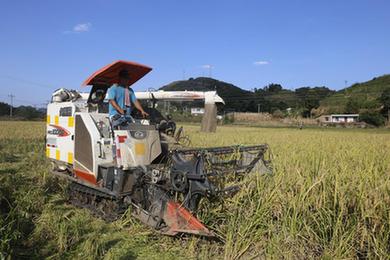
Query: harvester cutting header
[(115, 161)]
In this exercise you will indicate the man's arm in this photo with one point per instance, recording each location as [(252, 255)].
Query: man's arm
[(116, 106), (138, 106)]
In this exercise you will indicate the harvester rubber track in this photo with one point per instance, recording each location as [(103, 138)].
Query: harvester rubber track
[(101, 205)]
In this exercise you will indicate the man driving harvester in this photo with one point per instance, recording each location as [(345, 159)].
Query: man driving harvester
[(121, 97)]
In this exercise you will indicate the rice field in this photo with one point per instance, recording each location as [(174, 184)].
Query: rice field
[(328, 197)]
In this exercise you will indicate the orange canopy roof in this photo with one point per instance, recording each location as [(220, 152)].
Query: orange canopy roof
[(108, 75)]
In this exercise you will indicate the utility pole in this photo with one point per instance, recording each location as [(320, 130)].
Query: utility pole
[(12, 104), (258, 108)]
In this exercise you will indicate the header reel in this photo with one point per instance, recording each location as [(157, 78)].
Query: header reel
[(204, 172), (191, 175)]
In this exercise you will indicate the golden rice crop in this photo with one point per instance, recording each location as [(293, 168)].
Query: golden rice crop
[(328, 197)]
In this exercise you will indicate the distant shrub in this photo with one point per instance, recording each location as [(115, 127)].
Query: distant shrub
[(228, 119), (372, 117), (278, 114), (353, 106)]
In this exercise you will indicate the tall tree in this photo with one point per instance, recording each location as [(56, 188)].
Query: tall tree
[(4, 109), (385, 101)]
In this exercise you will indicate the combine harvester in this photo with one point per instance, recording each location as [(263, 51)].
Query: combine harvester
[(135, 167)]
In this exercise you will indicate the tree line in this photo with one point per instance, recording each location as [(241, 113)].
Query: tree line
[(21, 112), (274, 98)]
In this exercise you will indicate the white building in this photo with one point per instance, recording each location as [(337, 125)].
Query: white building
[(340, 118), (197, 111)]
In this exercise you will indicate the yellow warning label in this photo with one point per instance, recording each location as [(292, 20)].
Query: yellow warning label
[(56, 119), (140, 149), (71, 121), (58, 155), (70, 158), (47, 152), (48, 119)]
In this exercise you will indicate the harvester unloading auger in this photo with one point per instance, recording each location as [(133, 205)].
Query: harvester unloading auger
[(136, 166)]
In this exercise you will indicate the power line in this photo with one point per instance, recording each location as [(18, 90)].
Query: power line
[(47, 86), (23, 101)]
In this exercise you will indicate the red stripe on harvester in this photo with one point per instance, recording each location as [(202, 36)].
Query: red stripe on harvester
[(121, 138), (85, 176)]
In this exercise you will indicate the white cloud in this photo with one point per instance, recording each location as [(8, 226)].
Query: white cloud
[(207, 66), (260, 62), (82, 27)]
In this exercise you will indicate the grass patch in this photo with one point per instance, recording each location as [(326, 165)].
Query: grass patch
[(329, 197)]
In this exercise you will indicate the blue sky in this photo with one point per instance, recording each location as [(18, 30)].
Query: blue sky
[(248, 43)]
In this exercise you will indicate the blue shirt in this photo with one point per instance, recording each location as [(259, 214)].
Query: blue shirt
[(117, 93)]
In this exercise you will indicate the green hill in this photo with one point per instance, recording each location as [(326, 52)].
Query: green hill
[(268, 99), (229, 92), (224, 89), (356, 97), (353, 99)]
